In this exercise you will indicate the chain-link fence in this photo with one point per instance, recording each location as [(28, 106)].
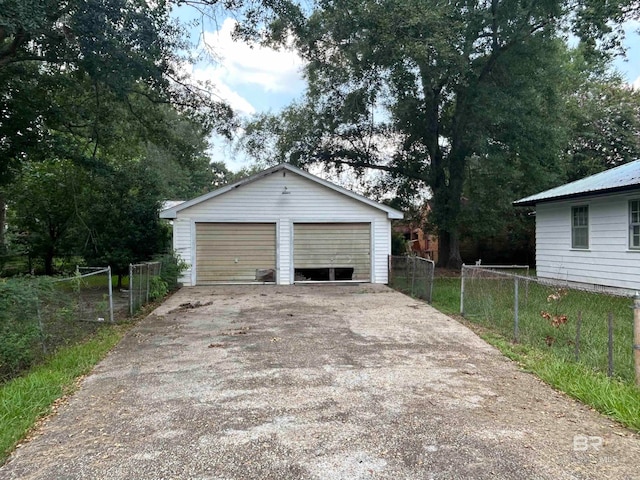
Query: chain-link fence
[(11, 265), (412, 275), (92, 290), (594, 329), (145, 284), (40, 314)]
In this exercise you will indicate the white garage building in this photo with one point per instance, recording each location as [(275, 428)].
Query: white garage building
[(282, 225)]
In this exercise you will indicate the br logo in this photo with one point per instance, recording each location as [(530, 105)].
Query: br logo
[(582, 443)]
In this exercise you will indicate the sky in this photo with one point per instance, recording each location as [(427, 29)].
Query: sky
[(255, 79)]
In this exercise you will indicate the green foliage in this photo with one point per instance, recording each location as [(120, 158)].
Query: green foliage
[(25, 399), (38, 316), (605, 116), (124, 49), (465, 99), (121, 218), (92, 150), (105, 208), (398, 244), (44, 197), (172, 266), (158, 288), (21, 333)]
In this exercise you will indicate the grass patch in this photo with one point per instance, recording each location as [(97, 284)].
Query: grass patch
[(446, 295), (586, 380), (24, 400)]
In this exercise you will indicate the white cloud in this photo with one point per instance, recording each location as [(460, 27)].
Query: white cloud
[(222, 89), (244, 74), (252, 64)]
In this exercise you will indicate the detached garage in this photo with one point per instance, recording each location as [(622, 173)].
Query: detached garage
[(282, 226)]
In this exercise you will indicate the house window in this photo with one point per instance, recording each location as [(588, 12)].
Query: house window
[(634, 224), (580, 227)]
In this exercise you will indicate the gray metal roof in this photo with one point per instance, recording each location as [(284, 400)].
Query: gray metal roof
[(623, 177)]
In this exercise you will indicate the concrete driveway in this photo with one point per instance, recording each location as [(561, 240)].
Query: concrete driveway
[(316, 382)]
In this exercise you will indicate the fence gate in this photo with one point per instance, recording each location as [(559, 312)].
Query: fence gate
[(141, 278), (412, 275)]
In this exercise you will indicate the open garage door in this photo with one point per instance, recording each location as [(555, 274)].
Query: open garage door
[(332, 252), (235, 252)]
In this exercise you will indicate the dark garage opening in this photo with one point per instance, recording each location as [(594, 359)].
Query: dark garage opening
[(323, 274)]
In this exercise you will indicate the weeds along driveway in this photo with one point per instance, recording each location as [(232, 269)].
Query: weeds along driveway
[(316, 382)]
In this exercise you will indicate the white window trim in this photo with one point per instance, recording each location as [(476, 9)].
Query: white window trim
[(633, 247), (573, 245)]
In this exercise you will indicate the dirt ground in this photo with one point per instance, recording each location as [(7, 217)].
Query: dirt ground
[(316, 382)]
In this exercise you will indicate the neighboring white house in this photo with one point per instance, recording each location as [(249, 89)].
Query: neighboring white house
[(588, 231), (282, 225)]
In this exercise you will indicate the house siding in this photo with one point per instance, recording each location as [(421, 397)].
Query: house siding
[(608, 260), (263, 201), (182, 246)]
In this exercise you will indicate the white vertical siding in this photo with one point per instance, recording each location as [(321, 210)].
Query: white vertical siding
[(381, 250), (306, 201), (608, 260), (182, 246), (284, 252)]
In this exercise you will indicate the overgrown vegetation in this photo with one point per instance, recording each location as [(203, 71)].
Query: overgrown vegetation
[(481, 103), (25, 399), (554, 362), (45, 347), (37, 316)]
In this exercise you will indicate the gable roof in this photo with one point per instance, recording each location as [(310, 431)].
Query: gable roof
[(173, 211), (618, 179)]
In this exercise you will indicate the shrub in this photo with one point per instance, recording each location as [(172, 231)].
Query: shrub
[(158, 288), (21, 334), (172, 267)]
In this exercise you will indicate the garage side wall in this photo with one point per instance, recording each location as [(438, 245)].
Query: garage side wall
[(267, 200), (382, 249), (182, 245)]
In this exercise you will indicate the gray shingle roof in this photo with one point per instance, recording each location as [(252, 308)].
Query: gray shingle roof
[(623, 177)]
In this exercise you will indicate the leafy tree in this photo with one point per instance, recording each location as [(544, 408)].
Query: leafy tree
[(606, 126), (99, 53), (122, 224), (420, 89), (43, 208), (101, 200)]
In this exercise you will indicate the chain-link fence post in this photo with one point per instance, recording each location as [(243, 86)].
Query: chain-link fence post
[(462, 275), (146, 296), (131, 285), (516, 319), (110, 283), (413, 276), (432, 274)]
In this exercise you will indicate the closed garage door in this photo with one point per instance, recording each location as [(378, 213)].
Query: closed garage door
[(235, 252), (332, 251)]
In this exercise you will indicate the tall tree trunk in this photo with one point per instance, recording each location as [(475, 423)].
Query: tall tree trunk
[(455, 260), (443, 248), (48, 261), (454, 206)]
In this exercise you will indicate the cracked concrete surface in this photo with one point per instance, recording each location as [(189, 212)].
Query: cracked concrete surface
[(316, 382)]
